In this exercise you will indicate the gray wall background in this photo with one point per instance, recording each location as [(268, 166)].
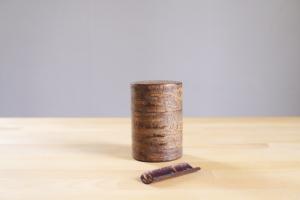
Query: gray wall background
[(77, 57)]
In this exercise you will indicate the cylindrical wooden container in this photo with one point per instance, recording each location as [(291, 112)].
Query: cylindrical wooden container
[(156, 120)]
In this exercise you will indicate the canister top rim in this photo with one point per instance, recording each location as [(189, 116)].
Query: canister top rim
[(156, 82)]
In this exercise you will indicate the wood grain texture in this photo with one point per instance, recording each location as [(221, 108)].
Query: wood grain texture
[(90, 158), (168, 172), (156, 120), (156, 96)]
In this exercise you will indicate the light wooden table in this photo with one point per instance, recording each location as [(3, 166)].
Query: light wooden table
[(89, 158)]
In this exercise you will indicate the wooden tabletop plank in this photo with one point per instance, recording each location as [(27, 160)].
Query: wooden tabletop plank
[(90, 158)]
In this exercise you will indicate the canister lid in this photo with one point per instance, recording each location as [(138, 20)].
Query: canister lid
[(156, 96), (156, 82)]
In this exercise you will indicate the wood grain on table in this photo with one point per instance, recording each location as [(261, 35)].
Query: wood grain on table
[(90, 158)]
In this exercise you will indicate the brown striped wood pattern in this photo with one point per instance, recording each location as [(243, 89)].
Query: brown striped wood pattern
[(156, 120)]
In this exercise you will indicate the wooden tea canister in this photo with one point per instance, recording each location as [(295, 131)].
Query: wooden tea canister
[(156, 120)]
